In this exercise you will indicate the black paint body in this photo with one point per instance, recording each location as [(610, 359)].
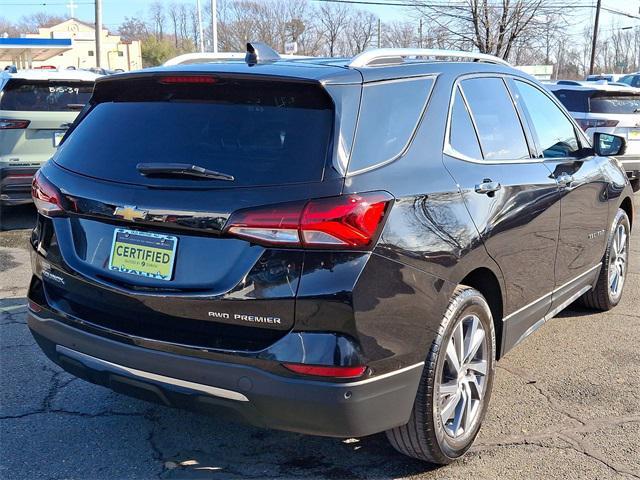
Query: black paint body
[(527, 248)]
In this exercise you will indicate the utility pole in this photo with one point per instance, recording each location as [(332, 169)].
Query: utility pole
[(214, 25), (420, 34), (98, 27), (595, 38), (379, 33), (200, 35)]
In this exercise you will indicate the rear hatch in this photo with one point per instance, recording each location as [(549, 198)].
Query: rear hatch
[(151, 237), (609, 111), (35, 114), (622, 111)]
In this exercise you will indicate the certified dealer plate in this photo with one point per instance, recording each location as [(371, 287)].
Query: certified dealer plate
[(145, 254)]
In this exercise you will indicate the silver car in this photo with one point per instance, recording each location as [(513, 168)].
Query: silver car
[(608, 109), (36, 108)]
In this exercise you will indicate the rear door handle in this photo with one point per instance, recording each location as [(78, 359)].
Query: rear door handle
[(564, 179), (488, 186)]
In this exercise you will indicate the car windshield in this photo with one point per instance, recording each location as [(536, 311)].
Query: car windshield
[(618, 104), (44, 95)]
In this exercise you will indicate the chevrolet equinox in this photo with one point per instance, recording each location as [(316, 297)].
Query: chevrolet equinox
[(335, 247)]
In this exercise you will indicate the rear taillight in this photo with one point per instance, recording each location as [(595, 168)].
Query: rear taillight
[(13, 124), (586, 123), (347, 221), (46, 196), (323, 371)]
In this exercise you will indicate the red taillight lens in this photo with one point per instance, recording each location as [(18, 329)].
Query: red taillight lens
[(34, 307), (586, 123), (352, 220), (347, 221), (13, 124), (46, 196), (202, 79), (322, 371)]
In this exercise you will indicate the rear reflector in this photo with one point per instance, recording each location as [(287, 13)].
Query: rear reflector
[(322, 371), (34, 307), (347, 221), (13, 124), (172, 79), (46, 196)]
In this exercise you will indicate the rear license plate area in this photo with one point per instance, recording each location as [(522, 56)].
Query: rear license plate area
[(144, 254)]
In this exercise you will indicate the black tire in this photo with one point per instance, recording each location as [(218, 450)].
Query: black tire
[(424, 437), (601, 297)]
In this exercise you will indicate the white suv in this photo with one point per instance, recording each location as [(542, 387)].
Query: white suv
[(608, 109), (36, 108)]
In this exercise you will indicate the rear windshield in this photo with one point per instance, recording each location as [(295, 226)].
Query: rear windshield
[(618, 104), (44, 95), (574, 100), (259, 134)]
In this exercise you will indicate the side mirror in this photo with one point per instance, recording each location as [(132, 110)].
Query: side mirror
[(606, 145)]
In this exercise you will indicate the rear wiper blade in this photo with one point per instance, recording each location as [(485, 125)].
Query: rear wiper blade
[(181, 169)]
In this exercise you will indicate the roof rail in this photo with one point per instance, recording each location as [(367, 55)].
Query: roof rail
[(392, 56)]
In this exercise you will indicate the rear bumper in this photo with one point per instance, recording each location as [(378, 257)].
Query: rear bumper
[(631, 165), (15, 185), (355, 408)]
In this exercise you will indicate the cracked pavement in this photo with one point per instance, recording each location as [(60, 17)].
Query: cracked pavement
[(566, 404)]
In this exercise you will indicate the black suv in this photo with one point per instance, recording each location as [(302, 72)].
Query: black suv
[(333, 247)]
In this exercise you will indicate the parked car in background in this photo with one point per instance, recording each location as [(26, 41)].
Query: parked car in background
[(633, 80), (36, 109), (335, 247), (607, 109), (609, 77)]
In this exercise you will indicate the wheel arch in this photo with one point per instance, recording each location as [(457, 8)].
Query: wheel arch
[(487, 283), (627, 206)]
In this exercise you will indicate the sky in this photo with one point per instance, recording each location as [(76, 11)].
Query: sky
[(114, 11)]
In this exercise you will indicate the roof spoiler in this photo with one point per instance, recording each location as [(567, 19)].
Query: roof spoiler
[(258, 52)]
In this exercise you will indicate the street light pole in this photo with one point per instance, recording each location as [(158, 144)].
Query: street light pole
[(595, 38), (214, 25), (98, 27), (200, 35)]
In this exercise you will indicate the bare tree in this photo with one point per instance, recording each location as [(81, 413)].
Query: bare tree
[(334, 19), (8, 28), (174, 16), (399, 34), (133, 29), (491, 27), (158, 17), (360, 31), (31, 23)]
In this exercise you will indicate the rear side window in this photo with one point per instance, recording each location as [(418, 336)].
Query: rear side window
[(389, 114), (555, 134), (44, 96), (498, 125), (616, 104), (462, 135), (261, 133), (574, 100)]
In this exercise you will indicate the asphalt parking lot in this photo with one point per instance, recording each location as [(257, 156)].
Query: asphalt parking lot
[(566, 404)]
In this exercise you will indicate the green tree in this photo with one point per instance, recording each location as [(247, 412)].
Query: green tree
[(156, 52)]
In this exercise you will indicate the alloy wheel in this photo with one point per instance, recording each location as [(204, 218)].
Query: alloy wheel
[(463, 377), (618, 261)]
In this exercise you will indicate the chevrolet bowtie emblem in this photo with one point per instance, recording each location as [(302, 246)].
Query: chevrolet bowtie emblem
[(130, 213)]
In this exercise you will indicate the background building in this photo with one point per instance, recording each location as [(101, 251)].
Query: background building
[(116, 53)]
